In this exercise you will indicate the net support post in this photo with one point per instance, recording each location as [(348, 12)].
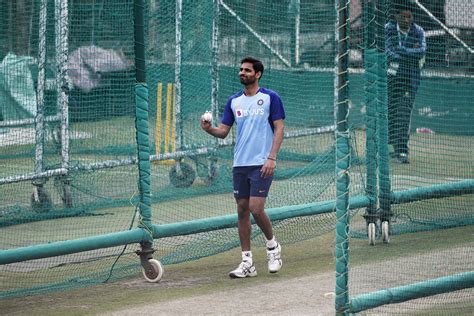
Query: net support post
[(343, 153), (370, 87), (40, 199), (141, 116), (295, 13), (385, 212), (61, 15), (66, 247)]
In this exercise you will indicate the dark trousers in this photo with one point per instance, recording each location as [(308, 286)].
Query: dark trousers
[(400, 105)]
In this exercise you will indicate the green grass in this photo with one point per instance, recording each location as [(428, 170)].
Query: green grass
[(209, 275), (434, 158)]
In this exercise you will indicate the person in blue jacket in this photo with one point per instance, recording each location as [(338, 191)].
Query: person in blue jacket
[(405, 46)]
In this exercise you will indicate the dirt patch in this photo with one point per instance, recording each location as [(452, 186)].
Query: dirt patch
[(165, 283), (314, 294), (309, 295)]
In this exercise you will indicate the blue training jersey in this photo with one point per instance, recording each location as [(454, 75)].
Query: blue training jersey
[(253, 116)]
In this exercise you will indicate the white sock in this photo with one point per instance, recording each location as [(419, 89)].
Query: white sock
[(247, 256), (272, 243)]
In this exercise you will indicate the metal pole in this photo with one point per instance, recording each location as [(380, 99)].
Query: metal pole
[(342, 158), (295, 14), (39, 119), (215, 79), (382, 114), (62, 88), (215, 59), (177, 74), (370, 76), (62, 34), (254, 33), (141, 116)]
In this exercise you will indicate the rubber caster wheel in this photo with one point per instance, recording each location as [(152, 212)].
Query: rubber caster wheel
[(371, 233), (385, 232), (153, 271), (182, 175), (67, 196), (40, 200), (212, 175)]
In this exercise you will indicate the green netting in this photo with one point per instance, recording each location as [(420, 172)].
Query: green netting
[(428, 109), (99, 194), (187, 75)]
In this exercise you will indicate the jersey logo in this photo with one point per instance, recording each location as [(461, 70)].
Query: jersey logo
[(251, 112), (260, 102)]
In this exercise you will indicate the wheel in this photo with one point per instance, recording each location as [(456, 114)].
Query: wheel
[(182, 175), (207, 169), (371, 233), (40, 200), (153, 271), (64, 186), (385, 232), (212, 172), (66, 195)]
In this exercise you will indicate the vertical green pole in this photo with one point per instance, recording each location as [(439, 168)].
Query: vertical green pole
[(342, 158), (141, 116), (382, 114), (370, 63)]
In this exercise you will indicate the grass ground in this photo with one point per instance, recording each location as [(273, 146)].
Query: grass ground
[(307, 279), (431, 163)]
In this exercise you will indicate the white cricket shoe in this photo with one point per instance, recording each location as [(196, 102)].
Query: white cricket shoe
[(245, 269), (274, 259)]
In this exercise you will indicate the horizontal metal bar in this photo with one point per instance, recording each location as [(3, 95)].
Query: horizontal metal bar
[(107, 164), (437, 191), (230, 221), (413, 291), (73, 246), (160, 231), (28, 121), (310, 131), (33, 176)]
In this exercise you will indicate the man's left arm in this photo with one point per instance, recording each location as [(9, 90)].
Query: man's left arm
[(269, 166), (278, 130)]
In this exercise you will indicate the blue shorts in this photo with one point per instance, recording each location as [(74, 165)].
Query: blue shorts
[(248, 182)]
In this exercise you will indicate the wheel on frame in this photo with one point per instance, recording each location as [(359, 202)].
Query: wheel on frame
[(40, 200), (67, 196), (371, 233), (65, 187), (385, 232), (153, 271), (182, 175), (212, 173)]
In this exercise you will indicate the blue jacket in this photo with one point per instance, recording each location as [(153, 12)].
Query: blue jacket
[(405, 54)]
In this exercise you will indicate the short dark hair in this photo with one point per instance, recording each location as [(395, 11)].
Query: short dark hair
[(402, 7), (257, 64), (396, 8)]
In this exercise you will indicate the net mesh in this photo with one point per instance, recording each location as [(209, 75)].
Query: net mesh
[(188, 75), (428, 110)]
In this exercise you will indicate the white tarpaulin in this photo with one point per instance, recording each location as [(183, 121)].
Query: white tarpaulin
[(17, 89), (87, 63)]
